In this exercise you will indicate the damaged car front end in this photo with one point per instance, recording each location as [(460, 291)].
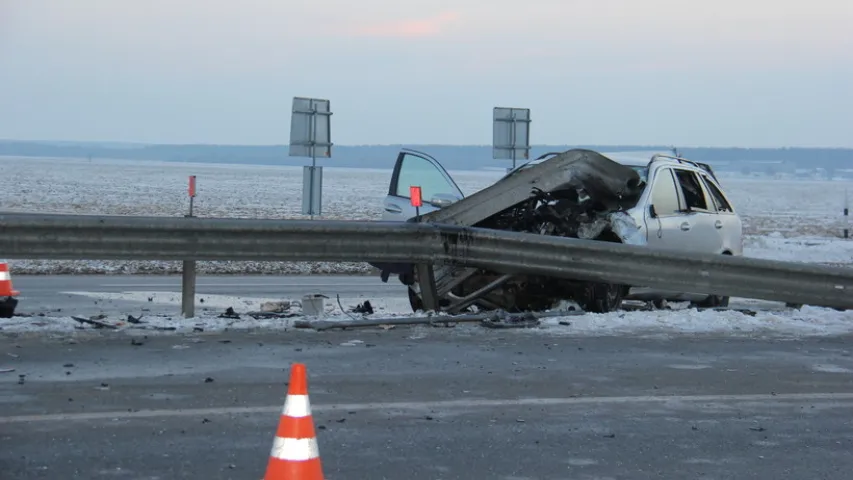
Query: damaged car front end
[(578, 193)]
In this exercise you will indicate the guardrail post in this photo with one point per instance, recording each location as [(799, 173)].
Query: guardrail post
[(188, 289)]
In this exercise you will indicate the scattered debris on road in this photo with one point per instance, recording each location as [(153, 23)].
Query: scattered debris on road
[(95, 321)]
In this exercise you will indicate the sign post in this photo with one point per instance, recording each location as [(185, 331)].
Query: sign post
[(511, 133), (416, 199), (310, 136), (188, 271)]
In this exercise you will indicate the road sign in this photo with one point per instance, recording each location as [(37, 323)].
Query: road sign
[(311, 136), (310, 128), (511, 133)]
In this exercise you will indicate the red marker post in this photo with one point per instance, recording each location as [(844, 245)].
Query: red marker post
[(416, 199), (192, 193)]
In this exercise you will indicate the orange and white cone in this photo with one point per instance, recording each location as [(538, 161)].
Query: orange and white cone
[(295, 454), (6, 289)]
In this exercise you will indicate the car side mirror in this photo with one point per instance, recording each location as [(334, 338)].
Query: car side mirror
[(652, 212), (442, 200)]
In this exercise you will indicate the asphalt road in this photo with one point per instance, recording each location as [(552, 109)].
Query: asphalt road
[(47, 294), (430, 403)]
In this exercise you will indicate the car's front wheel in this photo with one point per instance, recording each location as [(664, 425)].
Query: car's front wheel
[(713, 301), (600, 297)]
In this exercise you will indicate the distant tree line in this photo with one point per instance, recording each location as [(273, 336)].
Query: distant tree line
[(382, 156)]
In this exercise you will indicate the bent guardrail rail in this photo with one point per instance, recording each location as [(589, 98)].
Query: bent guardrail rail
[(85, 237)]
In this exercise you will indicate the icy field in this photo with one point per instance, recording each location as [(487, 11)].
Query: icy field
[(784, 219)]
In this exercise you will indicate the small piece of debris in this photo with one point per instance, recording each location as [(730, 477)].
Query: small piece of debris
[(205, 421), (365, 308), (94, 321), (428, 417), (275, 307), (136, 342), (757, 429), (21, 379), (230, 313), (7, 370), (69, 365), (134, 320), (208, 380), (612, 435), (565, 323)]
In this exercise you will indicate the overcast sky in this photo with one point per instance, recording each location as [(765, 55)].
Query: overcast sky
[(683, 72)]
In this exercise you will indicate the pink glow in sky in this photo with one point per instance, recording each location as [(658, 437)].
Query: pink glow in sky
[(722, 72)]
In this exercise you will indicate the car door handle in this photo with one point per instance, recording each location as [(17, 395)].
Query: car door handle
[(718, 224), (393, 209), (685, 226)]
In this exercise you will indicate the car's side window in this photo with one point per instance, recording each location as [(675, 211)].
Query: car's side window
[(417, 171), (694, 195), (717, 196), (664, 194)]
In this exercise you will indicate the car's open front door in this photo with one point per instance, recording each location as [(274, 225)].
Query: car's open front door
[(418, 169)]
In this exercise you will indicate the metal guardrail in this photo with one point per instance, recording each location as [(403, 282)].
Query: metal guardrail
[(78, 237)]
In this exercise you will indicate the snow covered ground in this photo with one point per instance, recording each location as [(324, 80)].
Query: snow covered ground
[(767, 320), (795, 220), (784, 219)]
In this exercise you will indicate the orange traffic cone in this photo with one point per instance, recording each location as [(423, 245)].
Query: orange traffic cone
[(6, 289), (295, 454)]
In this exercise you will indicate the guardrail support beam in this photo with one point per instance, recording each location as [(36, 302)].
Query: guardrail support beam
[(188, 289)]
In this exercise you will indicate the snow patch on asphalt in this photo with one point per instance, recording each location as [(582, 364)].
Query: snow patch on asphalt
[(781, 323), (243, 303), (807, 321)]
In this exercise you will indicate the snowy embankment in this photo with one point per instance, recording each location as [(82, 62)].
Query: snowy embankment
[(783, 220)]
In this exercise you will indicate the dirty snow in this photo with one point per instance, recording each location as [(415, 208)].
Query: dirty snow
[(775, 323), (782, 207)]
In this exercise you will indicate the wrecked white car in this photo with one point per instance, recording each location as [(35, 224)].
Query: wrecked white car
[(661, 202)]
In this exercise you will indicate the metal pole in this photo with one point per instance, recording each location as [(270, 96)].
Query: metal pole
[(313, 139), (188, 276), (846, 217), (512, 136)]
